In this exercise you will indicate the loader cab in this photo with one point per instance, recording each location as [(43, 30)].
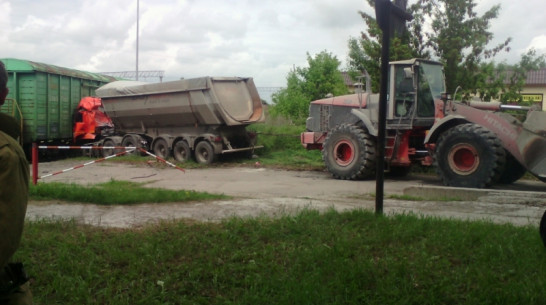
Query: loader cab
[(417, 84)]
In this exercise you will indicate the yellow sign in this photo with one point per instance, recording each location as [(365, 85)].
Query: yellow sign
[(537, 98)]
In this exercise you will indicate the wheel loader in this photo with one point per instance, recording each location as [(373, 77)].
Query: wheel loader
[(472, 144)]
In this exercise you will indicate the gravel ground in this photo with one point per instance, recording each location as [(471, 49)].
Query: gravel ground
[(259, 191)]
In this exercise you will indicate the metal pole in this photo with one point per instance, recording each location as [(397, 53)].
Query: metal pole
[(137, 31), (34, 163), (383, 11), (380, 177)]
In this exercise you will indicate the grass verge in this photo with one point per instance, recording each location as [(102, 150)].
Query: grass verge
[(115, 192), (334, 258)]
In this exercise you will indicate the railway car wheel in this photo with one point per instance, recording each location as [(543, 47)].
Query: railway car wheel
[(181, 151), (161, 149), (132, 141), (204, 153), (469, 155), (349, 153), (513, 170)]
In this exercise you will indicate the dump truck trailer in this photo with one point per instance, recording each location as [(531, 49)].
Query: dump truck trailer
[(204, 117)]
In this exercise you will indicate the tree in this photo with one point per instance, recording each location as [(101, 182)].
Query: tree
[(365, 53), (505, 82), (458, 37), (304, 85)]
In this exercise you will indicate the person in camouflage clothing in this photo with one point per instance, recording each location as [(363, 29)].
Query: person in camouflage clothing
[(14, 180)]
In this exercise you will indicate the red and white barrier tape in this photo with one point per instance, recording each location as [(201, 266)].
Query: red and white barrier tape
[(88, 163), (126, 150), (161, 159)]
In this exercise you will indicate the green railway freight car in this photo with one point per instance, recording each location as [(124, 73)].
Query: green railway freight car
[(44, 97)]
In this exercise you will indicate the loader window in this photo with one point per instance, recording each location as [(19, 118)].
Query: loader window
[(404, 92), (431, 86)]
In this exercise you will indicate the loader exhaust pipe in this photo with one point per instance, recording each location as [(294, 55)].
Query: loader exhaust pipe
[(515, 107), (497, 106)]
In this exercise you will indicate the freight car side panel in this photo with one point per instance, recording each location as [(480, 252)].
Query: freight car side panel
[(53, 115), (65, 107), (47, 96)]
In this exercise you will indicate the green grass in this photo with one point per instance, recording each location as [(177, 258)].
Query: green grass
[(335, 258), (115, 192)]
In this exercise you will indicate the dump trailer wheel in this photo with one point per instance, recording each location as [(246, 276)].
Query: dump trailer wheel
[(349, 153), (513, 170), (181, 151), (469, 155), (132, 141), (161, 148), (204, 153)]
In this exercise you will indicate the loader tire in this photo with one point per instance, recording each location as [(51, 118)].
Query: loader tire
[(542, 228), (349, 153), (513, 170), (469, 155)]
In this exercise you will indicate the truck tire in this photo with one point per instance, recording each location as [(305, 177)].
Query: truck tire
[(132, 141), (513, 170), (349, 153), (469, 155), (109, 151), (161, 148), (204, 153), (181, 151)]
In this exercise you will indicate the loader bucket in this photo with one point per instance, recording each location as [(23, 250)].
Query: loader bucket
[(532, 143)]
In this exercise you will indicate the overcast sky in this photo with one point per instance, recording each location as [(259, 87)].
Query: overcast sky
[(262, 39)]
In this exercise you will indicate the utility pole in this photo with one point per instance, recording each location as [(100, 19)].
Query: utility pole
[(389, 17), (137, 32)]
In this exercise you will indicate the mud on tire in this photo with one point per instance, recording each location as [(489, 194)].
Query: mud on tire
[(469, 155), (349, 153)]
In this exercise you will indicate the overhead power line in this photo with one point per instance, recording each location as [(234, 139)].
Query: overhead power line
[(133, 74)]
